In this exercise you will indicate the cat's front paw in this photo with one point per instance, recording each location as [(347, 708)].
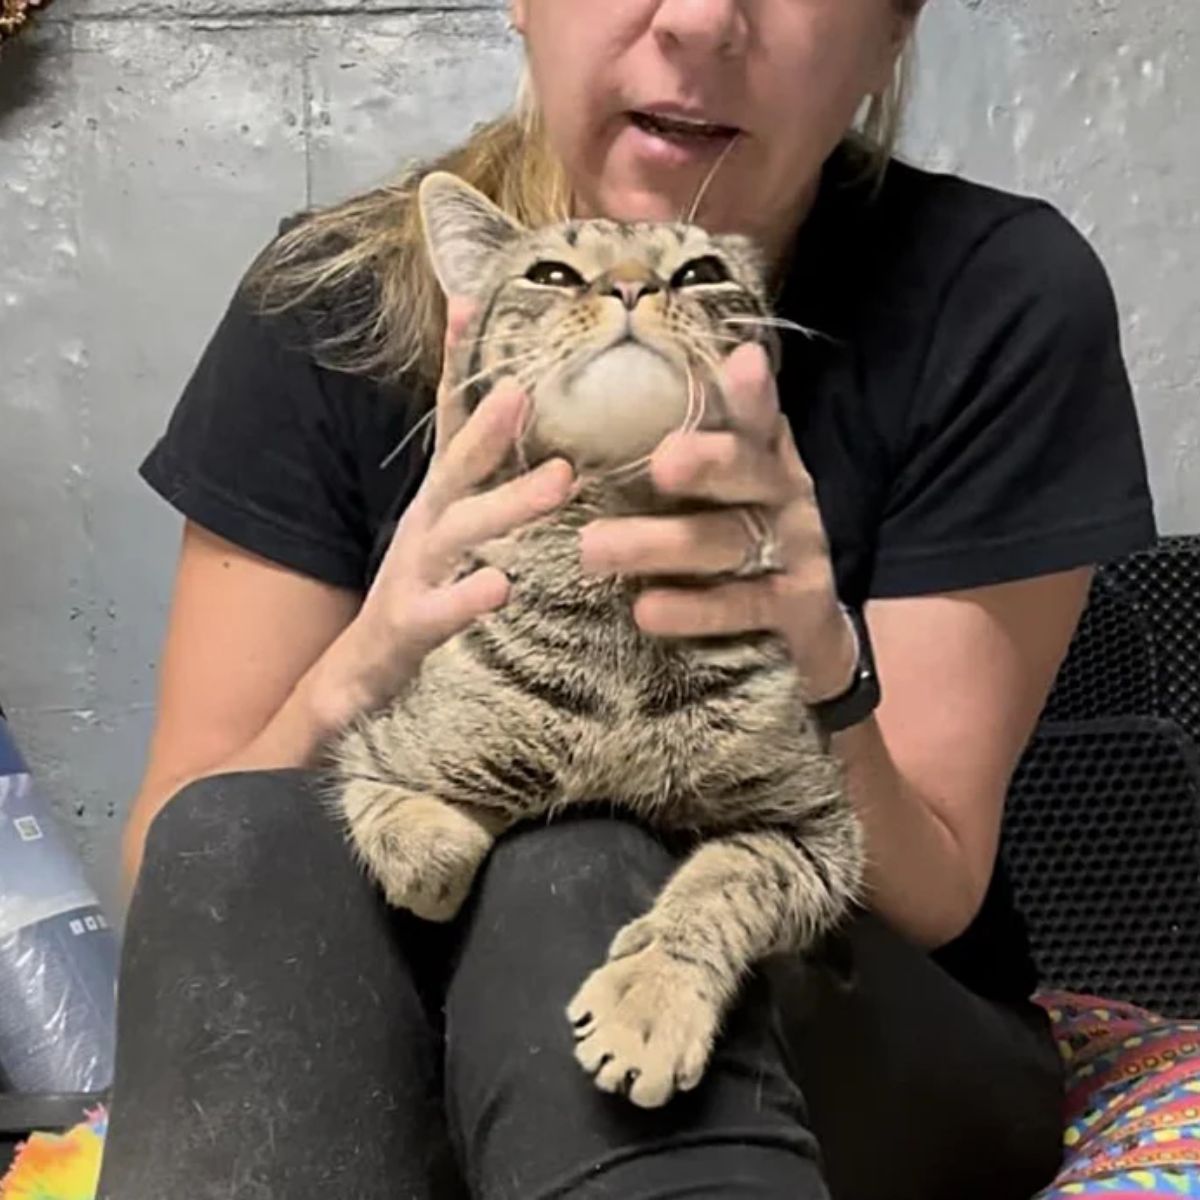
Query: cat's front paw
[(431, 891), (645, 1023), (425, 856)]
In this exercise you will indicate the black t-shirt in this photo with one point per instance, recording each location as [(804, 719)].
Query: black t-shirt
[(964, 411)]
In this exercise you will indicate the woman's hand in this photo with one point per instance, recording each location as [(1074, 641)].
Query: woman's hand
[(753, 477), (415, 602)]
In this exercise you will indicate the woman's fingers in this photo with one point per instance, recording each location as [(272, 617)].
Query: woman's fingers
[(753, 462), (440, 613), (451, 413), (801, 534), (475, 519), (742, 606), (705, 543), (479, 448), (723, 468), (751, 398)]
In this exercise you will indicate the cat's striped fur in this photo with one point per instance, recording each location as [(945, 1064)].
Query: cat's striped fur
[(558, 699)]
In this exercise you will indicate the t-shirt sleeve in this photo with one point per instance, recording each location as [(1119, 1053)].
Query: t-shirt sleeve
[(1022, 455), (260, 452)]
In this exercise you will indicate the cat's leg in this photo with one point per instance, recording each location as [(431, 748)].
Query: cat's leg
[(426, 787), (645, 1022), (423, 851)]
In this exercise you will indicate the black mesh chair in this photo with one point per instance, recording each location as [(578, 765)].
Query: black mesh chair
[(1102, 836)]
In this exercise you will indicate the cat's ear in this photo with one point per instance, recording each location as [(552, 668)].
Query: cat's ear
[(463, 230)]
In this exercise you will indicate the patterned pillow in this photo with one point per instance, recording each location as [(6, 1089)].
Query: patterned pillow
[(1132, 1102)]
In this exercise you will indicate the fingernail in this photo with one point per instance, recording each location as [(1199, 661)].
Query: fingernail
[(547, 484), (458, 313), (586, 553), (502, 400), (526, 413), (674, 470)]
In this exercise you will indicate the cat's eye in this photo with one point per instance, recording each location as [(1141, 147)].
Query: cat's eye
[(699, 271), (554, 274)]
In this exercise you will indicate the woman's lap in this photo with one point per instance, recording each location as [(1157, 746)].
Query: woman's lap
[(526, 1119), (275, 1040)]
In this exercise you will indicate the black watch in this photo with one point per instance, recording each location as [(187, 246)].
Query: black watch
[(861, 698)]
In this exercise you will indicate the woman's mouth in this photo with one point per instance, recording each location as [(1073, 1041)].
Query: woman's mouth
[(686, 130), (675, 142)]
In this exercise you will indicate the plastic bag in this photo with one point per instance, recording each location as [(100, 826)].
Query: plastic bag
[(58, 954)]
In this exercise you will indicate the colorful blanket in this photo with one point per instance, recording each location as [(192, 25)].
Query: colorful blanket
[(1133, 1101), (1132, 1108), (54, 1167)]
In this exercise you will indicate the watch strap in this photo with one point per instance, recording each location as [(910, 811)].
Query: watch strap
[(862, 696)]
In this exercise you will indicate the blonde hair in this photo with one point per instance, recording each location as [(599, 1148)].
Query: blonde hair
[(881, 124), (364, 260)]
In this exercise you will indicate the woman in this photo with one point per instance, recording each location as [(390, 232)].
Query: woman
[(954, 454)]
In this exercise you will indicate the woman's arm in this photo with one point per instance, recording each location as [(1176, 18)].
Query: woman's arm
[(964, 676), (241, 636), (263, 664)]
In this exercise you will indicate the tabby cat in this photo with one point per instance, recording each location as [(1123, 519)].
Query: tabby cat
[(616, 332)]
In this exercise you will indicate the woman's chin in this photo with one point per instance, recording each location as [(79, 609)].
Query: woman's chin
[(630, 196), (634, 186), (630, 207)]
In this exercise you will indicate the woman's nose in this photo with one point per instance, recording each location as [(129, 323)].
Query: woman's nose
[(708, 27)]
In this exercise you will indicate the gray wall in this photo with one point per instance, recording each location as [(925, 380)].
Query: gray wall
[(147, 150)]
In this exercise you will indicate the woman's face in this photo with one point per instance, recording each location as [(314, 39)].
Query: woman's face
[(614, 79)]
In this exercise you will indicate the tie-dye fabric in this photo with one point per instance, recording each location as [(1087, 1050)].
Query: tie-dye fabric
[(1132, 1103), (58, 1167), (1132, 1112)]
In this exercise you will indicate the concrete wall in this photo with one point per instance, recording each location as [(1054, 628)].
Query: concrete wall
[(146, 151)]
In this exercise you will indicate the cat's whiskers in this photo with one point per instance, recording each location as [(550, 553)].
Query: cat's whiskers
[(516, 340), (698, 341), (425, 423), (702, 191), (519, 360), (767, 322), (704, 340)]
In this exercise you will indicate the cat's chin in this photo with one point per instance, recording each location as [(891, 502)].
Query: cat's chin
[(612, 411)]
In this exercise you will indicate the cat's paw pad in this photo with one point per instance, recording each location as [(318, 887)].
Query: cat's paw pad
[(645, 1025)]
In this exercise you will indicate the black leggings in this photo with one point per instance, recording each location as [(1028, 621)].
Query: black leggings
[(284, 1036)]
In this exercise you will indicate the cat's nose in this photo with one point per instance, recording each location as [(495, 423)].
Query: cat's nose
[(631, 291)]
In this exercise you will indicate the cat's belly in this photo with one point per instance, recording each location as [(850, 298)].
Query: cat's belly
[(716, 763), (537, 709)]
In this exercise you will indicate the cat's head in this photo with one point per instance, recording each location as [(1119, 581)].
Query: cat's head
[(615, 331)]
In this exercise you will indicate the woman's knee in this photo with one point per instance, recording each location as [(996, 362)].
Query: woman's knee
[(218, 810), (237, 825), (584, 863), (543, 915)]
